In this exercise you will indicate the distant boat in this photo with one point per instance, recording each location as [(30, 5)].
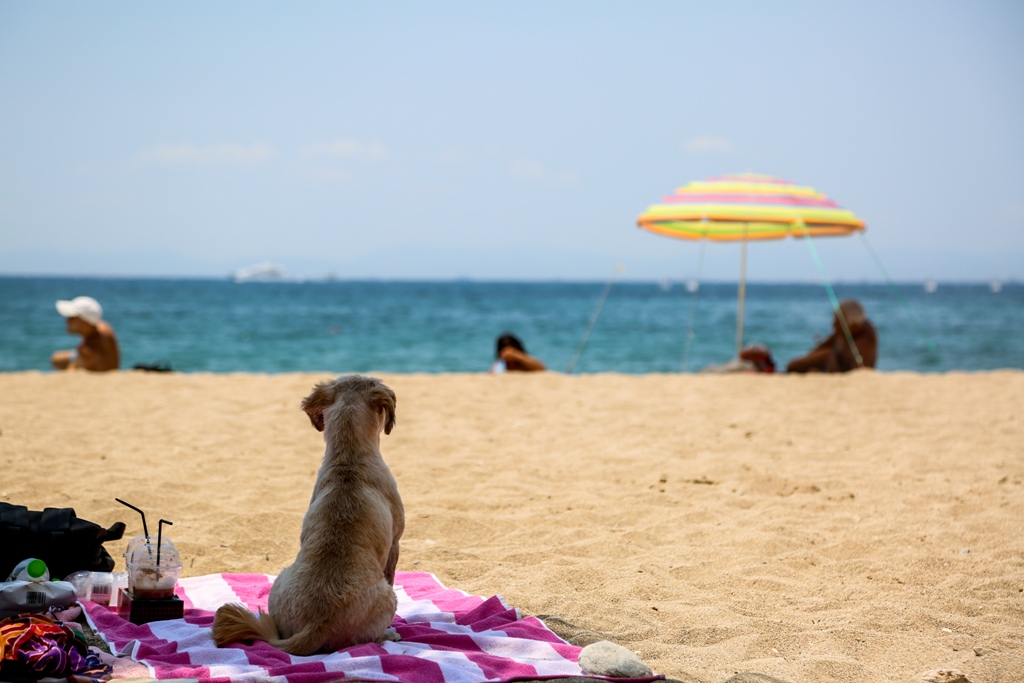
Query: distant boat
[(261, 272), (692, 286), (996, 285), (930, 286)]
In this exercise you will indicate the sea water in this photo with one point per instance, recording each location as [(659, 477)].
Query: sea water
[(346, 326)]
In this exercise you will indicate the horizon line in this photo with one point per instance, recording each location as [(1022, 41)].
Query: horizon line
[(465, 279)]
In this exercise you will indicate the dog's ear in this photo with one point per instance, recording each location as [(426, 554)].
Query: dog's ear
[(315, 403), (384, 399)]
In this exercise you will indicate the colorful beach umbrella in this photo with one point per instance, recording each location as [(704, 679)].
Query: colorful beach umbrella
[(743, 207)]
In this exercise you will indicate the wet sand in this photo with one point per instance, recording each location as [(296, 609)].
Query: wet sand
[(866, 527)]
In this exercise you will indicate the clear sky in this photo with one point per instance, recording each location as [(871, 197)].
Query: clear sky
[(502, 140)]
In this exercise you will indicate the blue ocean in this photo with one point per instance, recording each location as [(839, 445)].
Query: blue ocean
[(347, 326)]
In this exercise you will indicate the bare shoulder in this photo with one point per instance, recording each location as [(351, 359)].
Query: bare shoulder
[(105, 330)]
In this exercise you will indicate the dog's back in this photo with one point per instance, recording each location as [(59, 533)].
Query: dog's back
[(339, 591)]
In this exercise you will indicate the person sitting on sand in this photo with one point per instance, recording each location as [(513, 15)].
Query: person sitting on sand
[(834, 354), (98, 350), (754, 357), (759, 357), (512, 355)]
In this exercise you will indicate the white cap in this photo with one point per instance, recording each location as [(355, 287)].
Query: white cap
[(852, 311), (84, 307)]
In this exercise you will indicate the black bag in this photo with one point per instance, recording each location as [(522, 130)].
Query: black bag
[(159, 366), (57, 537)]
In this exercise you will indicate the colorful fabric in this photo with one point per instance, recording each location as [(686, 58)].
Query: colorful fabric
[(747, 206), (34, 646), (447, 637)]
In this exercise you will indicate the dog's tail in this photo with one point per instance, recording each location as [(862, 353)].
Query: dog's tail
[(234, 622)]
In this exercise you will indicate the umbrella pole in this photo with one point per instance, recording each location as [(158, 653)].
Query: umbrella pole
[(742, 293)]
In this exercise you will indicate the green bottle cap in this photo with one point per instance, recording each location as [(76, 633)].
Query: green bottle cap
[(36, 569)]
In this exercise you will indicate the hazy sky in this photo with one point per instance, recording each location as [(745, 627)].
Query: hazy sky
[(502, 140)]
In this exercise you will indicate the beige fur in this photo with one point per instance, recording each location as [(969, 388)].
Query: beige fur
[(340, 589)]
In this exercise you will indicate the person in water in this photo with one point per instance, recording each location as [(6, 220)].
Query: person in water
[(98, 350), (835, 354), (511, 355)]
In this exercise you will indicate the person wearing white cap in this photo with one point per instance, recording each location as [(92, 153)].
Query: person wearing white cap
[(835, 353), (98, 350)]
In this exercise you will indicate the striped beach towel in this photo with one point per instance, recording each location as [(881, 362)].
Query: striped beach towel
[(447, 637)]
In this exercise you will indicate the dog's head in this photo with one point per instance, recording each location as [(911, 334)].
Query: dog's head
[(354, 391)]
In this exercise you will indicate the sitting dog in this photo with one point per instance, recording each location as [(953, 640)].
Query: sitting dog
[(340, 589)]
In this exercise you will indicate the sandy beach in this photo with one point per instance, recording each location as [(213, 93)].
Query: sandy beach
[(863, 528)]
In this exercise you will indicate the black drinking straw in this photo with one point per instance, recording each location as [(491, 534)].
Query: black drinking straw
[(145, 529), (159, 532)]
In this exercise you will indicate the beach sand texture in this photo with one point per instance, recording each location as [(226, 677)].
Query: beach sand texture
[(866, 527)]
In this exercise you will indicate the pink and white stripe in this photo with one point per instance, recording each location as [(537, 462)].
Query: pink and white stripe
[(447, 637)]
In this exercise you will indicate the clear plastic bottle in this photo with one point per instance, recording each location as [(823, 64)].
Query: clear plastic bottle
[(32, 569), (29, 590)]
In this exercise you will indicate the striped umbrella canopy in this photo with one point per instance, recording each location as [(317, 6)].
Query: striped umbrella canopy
[(742, 207), (746, 206)]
